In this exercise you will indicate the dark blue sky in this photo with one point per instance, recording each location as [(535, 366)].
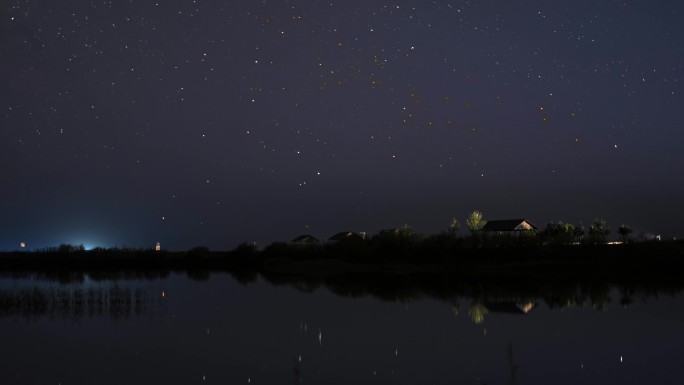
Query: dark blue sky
[(210, 123)]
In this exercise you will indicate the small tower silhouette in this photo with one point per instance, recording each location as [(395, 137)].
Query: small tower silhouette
[(157, 247)]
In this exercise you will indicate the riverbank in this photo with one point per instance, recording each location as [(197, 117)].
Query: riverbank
[(557, 275), (348, 257)]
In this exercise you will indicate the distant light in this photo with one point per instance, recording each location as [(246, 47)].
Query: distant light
[(157, 247), (22, 245)]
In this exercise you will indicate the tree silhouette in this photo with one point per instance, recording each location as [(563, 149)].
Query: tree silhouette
[(454, 226), (559, 233), (68, 248), (405, 231), (578, 232), (598, 231), (624, 232)]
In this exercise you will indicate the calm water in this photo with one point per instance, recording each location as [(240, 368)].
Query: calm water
[(177, 330)]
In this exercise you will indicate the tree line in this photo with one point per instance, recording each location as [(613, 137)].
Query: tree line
[(559, 232)]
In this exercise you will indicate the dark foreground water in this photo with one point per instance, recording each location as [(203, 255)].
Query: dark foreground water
[(178, 330)]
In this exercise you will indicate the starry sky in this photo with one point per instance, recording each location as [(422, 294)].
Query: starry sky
[(209, 123)]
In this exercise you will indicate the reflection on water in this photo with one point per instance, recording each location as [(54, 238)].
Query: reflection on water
[(477, 310), (74, 303), (117, 301), (179, 328), (112, 294)]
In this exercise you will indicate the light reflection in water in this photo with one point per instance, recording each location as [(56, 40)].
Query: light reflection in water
[(75, 302), (224, 332)]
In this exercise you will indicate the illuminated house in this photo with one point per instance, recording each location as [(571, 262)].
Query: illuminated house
[(509, 226)]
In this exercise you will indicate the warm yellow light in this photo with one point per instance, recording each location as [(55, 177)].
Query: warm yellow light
[(22, 245), (157, 247)]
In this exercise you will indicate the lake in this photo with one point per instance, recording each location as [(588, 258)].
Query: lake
[(175, 328)]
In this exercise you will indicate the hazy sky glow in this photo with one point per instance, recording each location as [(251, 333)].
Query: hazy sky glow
[(214, 122)]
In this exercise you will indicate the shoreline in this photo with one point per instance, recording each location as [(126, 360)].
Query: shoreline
[(556, 276), (665, 257)]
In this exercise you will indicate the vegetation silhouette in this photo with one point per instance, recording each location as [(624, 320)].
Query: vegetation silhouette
[(487, 291), (559, 233), (598, 231), (554, 247), (399, 263), (398, 266), (624, 232)]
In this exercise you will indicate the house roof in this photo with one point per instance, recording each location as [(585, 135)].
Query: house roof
[(347, 235), (389, 232), (305, 238), (509, 225)]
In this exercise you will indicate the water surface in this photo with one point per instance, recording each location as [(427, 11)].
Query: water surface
[(173, 329)]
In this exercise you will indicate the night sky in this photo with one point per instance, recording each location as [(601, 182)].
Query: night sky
[(209, 123)]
